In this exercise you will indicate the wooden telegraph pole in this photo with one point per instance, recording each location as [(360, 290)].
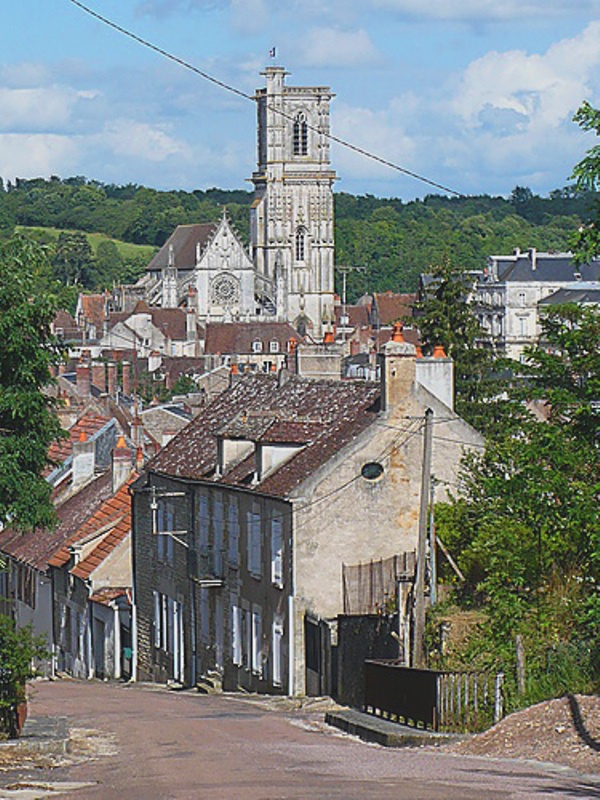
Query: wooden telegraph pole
[(418, 652)]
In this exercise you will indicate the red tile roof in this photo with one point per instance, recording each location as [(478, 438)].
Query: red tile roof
[(105, 547), (392, 307), (108, 594), (237, 337), (89, 424), (37, 547), (113, 510), (323, 415), (358, 316)]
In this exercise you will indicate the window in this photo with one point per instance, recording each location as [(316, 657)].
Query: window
[(256, 640), (254, 543), (234, 532), (218, 534), (277, 655), (257, 346), (522, 299), (204, 616), (165, 521), (236, 635), (277, 551), (301, 244), (273, 346), (300, 135), (523, 326), (164, 622), (203, 521)]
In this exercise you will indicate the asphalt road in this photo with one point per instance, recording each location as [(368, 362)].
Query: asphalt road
[(158, 744)]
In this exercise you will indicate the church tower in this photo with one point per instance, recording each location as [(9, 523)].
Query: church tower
[(292, 214)]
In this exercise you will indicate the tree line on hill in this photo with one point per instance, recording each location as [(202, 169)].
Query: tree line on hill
[(394, 240)]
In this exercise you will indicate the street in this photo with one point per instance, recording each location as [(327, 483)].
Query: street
[(161, 744)]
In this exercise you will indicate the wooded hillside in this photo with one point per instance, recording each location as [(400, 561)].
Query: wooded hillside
[(393, 239)]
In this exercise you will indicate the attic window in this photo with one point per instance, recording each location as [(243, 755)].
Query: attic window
[(274, 346), (372, 471), (257, 346)]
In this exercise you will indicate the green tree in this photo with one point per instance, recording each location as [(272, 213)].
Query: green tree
[(108, 265), (586, 174), (18, 648), (446, 317), (28, 350), (525, 527), (74, 260)]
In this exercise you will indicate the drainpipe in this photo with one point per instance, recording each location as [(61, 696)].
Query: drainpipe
[(89, 643), (291, 615)]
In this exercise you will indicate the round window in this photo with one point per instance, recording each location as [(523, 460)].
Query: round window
[(372, 471)]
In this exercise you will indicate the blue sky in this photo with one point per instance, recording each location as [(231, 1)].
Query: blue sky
[(477, 95)]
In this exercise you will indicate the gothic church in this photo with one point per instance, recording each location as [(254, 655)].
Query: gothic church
[(288, 274)]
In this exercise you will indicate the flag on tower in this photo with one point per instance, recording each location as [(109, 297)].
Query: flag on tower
[(273, 52)]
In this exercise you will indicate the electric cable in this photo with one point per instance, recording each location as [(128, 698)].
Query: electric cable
[(234, 90)]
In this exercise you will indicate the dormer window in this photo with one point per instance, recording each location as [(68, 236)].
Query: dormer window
[(300, 135), (257, 346), (273, 346)]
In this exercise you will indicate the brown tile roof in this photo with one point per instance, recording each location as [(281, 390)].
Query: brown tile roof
[(184, 239), (94, 310), (113, 510), (323, 415), (89, 424), (37, 547), (358, 316), (392, 307), (171, 322), (106, 595), (237, 337)]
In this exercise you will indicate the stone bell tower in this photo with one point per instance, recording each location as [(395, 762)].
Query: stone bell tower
[(292, 214)]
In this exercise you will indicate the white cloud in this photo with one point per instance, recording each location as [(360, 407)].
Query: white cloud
[(39, 109), (540, 90), (333, 47), (141, 140), (31, 155), (486, 10)]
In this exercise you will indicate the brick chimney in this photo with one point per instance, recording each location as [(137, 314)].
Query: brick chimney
[(126, 382), (99, 375), (397, 361), (121, 464), (83, 378), (111, 378)]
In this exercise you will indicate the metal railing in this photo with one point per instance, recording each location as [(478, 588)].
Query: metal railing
[(424, 698)]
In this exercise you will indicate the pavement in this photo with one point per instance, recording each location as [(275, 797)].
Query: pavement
[(371, 728), (145, 743)]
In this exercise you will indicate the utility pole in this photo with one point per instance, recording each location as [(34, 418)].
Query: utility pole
[(432, 548), (418, 654), (344, 270)]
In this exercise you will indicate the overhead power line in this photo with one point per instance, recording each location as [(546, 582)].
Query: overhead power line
[(234, 90)]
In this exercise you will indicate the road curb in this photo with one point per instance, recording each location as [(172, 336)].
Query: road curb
[(382, 731)]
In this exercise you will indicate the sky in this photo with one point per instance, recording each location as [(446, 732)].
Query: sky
[(476, 95)]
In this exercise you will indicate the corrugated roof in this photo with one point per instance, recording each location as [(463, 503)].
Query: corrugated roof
[(323, 415)]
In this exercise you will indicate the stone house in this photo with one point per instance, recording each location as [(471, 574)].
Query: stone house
[(91, 580), (243, 522)]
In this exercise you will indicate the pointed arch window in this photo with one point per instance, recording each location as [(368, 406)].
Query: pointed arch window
[(300, 135), (300, 243)]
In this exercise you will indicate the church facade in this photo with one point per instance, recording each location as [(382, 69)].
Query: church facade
[(287, 275)]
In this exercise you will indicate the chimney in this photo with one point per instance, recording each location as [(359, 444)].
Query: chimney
[(83, 378), (397, 360), (111, 378), (532, 253), (436, 374), (84, 461), (99, 375), (121, 464), (126, 378), (329, 337), (139, 459)]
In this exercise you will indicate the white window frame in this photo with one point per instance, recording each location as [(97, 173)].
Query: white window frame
[(257, 640), (273, 346), (257, 346), (277, 650), (237, 655), (277, 550)]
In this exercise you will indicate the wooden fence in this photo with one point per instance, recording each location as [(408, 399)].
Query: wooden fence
[(442, 701)]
